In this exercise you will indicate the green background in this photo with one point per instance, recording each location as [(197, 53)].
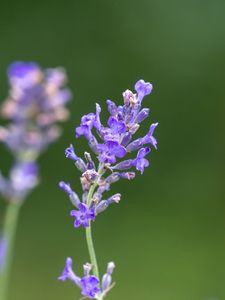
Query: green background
[(167, 236)]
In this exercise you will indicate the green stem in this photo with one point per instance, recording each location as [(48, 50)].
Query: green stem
[(89, 239), (9, 230)]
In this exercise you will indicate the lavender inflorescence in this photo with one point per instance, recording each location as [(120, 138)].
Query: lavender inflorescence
[(111, 145), (36, 102)]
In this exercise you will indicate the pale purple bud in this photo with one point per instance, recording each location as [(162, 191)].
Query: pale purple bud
[(65, 187), (112, 108), (107, 278), (80, 164), (142, 115), (115, 198), (127, 175), (102, 205), (87, 269), (134, 128), (114, 177), (129, 98), (90, 163), (126, 164), (126, 139), (74, 199), (90, 175)]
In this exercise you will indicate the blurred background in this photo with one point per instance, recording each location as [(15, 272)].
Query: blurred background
[(167, 236)]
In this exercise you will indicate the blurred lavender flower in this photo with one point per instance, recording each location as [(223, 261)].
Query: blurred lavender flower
[(36, 102), (22, 179)]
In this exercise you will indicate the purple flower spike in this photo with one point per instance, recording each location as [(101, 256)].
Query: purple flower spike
[(143, 88), (83, 215), (89, 286)]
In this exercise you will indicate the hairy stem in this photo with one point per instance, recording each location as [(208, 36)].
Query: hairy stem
[(89, 239), (9, 231)]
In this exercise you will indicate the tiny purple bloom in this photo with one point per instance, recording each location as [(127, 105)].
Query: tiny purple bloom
[(87, 123), (69, 152), (141, 162), (83, 216), (68, 273), (149, 138), (89, 286), (143, 88)]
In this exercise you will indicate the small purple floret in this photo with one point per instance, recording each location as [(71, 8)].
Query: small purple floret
[(143, 88), (69, 152), (89, 285), (68, 272), (83, 216)]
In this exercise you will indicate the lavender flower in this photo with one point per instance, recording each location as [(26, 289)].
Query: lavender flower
[(22, 179), (83, 215), (112, 145), (36, 102)]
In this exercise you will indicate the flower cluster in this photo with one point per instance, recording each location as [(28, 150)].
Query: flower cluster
[(111, 144), (36, 102), (89, 284)]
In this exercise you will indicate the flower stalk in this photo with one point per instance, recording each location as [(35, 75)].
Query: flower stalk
[(89, 238), (9, 233)]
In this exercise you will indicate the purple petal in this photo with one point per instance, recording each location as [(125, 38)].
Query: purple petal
[(143, 88), (77, 223), (83, 208), (143, 152), (142, 164), (120, 151), (75, 213)]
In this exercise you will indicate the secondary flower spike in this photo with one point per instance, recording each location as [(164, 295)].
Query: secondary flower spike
[(36, 103)]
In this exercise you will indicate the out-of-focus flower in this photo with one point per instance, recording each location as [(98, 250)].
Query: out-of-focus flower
[(36, 102)]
